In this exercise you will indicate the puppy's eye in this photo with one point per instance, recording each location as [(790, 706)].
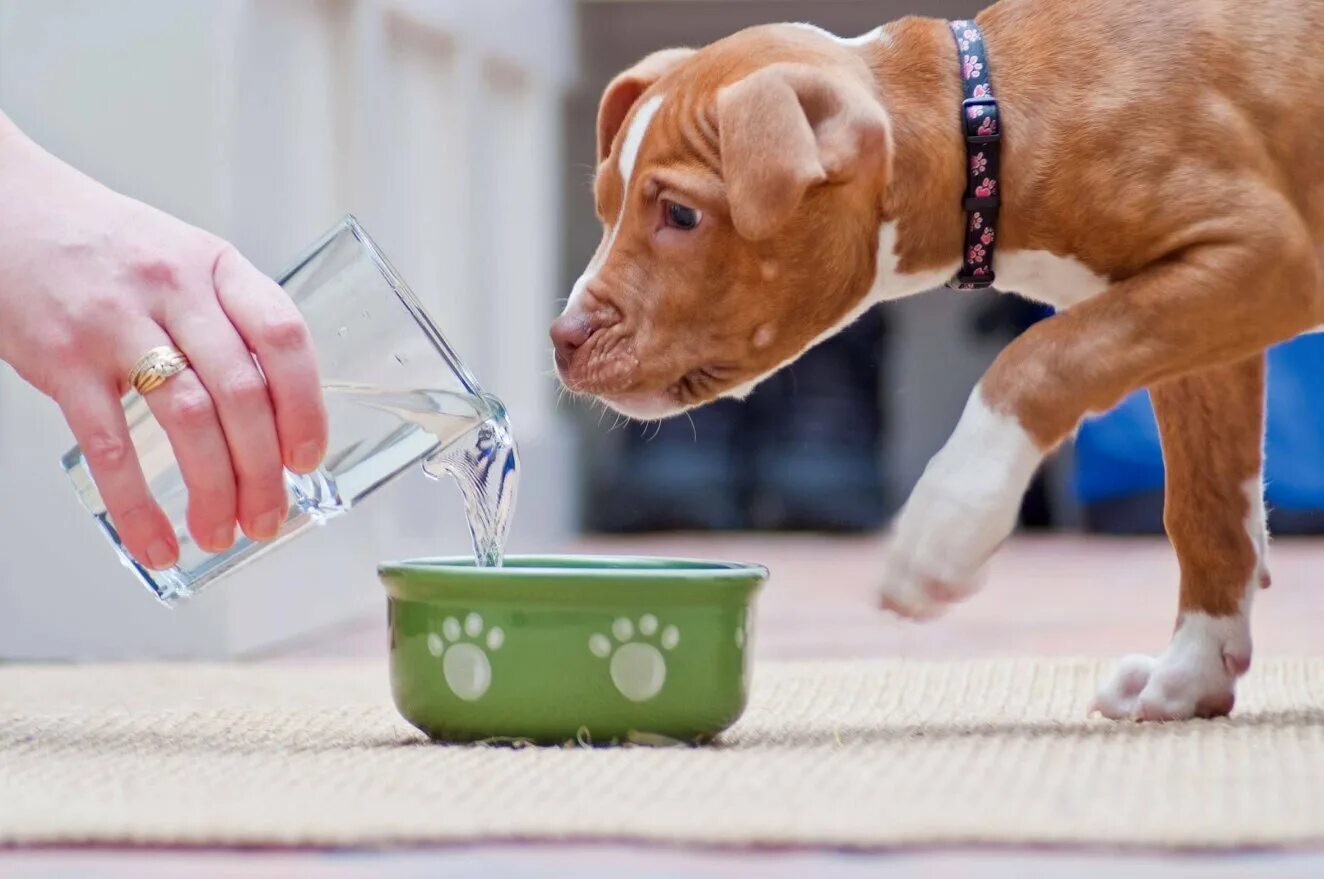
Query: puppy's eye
[(681, 217)]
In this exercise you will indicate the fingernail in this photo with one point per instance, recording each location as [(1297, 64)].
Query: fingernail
[(160, 554), (222, 538), (266, 525), (307, 457)]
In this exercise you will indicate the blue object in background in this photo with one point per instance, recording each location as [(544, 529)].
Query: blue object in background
[(1118, 454)]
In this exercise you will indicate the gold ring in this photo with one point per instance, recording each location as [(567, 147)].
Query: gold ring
[(155, 367)]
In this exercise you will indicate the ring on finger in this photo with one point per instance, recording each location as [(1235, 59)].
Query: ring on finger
[(156, 367)]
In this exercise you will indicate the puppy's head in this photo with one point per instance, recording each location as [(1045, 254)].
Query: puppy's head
[(739, 189)]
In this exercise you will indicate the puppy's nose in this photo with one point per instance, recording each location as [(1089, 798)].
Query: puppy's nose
[(569, 333)]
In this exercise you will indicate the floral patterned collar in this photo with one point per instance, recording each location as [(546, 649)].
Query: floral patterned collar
[(981, 125)]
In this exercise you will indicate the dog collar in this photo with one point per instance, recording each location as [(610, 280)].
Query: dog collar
[(981, 126)]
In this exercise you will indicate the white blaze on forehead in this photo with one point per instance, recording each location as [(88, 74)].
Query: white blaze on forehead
[(634, 138)]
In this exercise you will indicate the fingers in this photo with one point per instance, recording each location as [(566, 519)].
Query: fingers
[(96, 416), (184, 409), (273, 329), (231, 379), (233, 423)]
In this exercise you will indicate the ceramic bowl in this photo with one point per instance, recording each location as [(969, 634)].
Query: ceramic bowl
[(558, 648)]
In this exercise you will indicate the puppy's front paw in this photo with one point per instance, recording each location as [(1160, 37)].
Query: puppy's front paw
[(1118, 697), (962, 508), (919, 584), (1196, 676), (941, 539)]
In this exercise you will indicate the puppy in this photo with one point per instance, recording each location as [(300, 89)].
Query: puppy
[(1161, 185)]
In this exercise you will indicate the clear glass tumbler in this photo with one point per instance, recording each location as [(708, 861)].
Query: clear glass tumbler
[(396, 395)]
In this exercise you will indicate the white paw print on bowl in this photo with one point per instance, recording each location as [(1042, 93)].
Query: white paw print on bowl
[(638, 667), (463, 651)]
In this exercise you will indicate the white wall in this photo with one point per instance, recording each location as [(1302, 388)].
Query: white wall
[(437, 123)]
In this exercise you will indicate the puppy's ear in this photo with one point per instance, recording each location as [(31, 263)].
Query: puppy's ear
[(625, 89), (789, 127)]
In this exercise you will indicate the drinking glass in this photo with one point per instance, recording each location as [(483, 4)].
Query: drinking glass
[(396, 394)]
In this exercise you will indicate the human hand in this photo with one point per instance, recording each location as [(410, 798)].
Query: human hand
[(89, 281)]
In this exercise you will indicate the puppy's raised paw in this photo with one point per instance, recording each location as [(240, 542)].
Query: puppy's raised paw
[(964, 505), (916, 595)]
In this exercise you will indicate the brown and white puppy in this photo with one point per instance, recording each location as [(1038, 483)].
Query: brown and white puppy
[(1163, 187)]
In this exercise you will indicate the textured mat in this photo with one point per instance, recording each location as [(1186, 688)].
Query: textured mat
[(866, 755)]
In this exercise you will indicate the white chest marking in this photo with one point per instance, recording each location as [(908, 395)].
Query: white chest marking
[(1059, 281), (634, 138), (890, 283), (876, 35)]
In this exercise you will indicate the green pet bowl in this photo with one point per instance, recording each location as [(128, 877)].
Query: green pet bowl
[(560, 648)]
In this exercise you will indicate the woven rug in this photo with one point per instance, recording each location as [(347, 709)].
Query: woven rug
[(855, 755)]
